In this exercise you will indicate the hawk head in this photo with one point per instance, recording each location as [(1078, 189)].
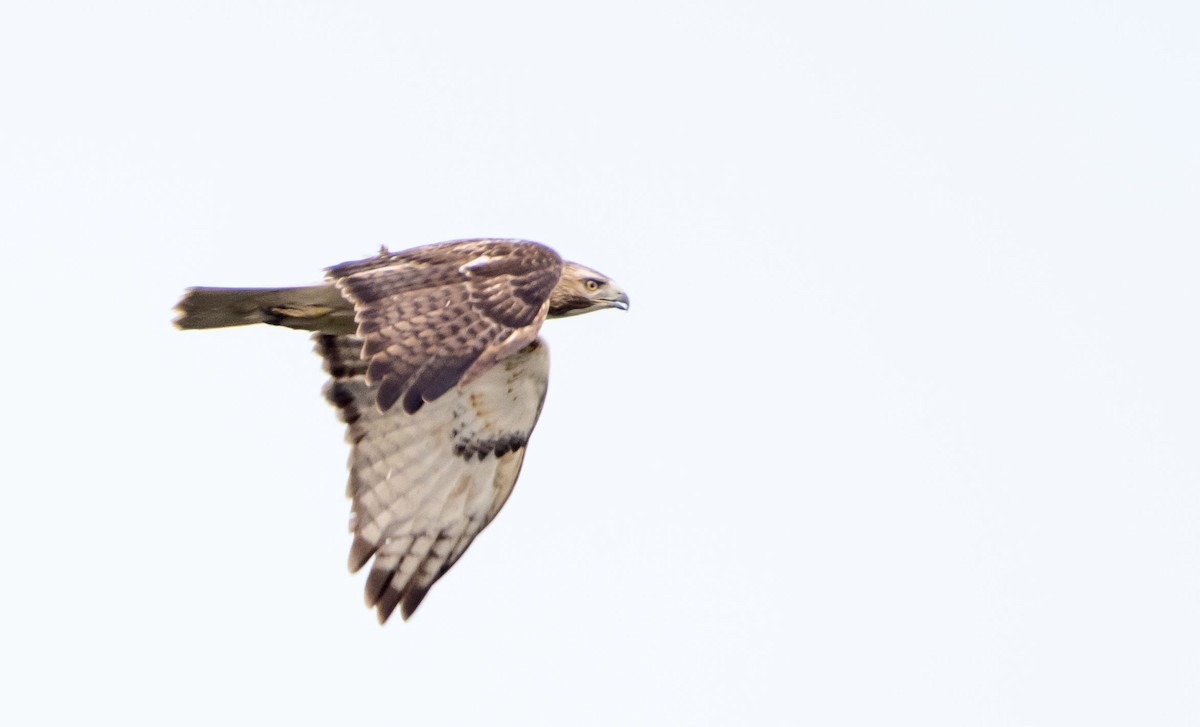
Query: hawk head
[(582, 289)]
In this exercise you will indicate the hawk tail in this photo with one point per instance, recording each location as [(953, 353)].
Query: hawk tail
[(312, 308)]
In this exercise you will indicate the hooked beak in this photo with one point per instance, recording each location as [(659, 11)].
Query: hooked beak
[(621, 301)]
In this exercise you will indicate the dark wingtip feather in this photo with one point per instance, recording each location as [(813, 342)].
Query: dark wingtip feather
[(387, 604), (360, 552), (377, 581), (385, 598), (412, 598)]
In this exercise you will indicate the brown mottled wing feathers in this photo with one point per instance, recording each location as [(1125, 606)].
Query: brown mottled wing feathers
[(441, 315)]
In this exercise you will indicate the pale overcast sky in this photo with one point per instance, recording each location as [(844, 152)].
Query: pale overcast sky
[(901, 428)]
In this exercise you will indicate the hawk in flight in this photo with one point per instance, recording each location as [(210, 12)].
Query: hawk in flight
[(437, 369)]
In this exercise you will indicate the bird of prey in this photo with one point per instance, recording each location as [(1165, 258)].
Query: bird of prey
[(439, 374)]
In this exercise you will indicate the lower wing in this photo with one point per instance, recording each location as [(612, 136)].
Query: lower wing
[(423, 485)]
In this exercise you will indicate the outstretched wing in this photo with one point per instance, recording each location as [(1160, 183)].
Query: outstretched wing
[(441, 315), (423, 485)]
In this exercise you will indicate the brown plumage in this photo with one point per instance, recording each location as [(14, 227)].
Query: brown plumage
[(449, 332)]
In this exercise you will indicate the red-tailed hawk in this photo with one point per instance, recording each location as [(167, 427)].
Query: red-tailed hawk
[(437, 370)]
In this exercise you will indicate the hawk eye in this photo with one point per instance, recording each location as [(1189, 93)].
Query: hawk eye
[(592, 285)]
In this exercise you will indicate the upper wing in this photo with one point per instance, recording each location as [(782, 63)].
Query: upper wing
[(440, 315), (424, 485)]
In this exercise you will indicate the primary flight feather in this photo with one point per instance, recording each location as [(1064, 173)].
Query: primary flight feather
[(437, 369)]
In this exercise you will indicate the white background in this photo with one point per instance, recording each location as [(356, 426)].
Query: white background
[(901, 428)]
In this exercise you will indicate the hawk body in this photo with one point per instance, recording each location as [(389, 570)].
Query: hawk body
[(433, 317), (437, 371)]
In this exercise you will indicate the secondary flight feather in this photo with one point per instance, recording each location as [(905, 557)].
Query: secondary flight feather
[(439, 374)]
